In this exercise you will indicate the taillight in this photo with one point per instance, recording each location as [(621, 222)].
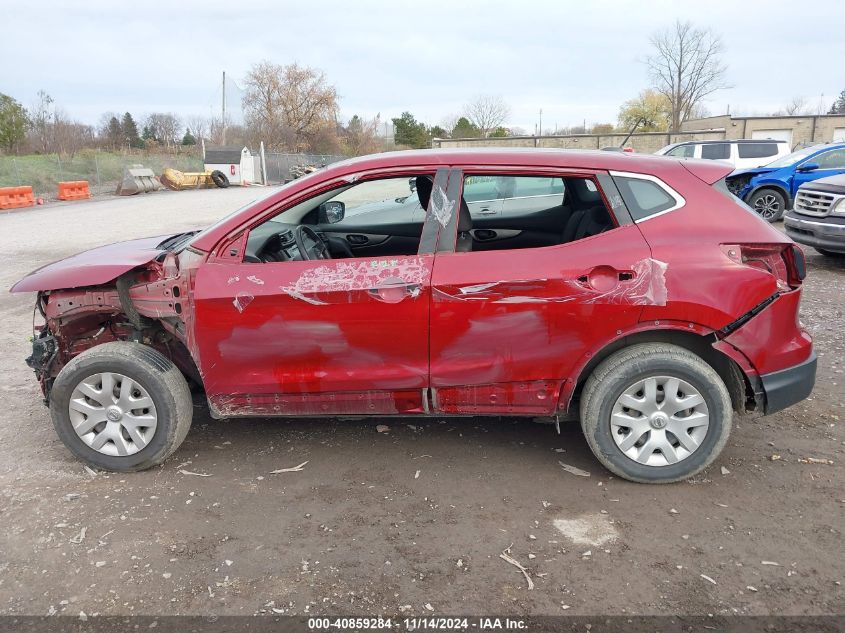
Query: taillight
[(784, 261)]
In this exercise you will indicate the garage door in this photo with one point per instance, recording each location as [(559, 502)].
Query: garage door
[(839, 134), (775, 135)]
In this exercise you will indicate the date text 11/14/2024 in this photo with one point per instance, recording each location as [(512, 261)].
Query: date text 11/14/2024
[(417, 624)]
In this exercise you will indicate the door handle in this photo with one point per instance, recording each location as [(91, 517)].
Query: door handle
[(604, 278), (357, 240), (487, 211), (395, 290)]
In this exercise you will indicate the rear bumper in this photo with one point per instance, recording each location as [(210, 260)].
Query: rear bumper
[(786, 387), (826, 233)]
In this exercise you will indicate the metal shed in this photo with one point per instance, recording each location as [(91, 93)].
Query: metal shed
[(237, 163)]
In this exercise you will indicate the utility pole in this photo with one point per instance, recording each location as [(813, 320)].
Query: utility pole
[(541, 123), (223, 122)]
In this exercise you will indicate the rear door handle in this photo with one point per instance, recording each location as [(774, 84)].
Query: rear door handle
[(486, 211), (394, 291)]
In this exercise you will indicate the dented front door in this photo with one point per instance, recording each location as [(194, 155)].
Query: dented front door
[(508, 328), (346, 336)]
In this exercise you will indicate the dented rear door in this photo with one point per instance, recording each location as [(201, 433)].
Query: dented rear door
[(345, 336), (509, 328)]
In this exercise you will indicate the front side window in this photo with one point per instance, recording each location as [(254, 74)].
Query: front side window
[(683, 151), (716, 151), (834, 159)]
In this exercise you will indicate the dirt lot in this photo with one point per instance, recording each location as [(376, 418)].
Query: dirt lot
[(412, 520)]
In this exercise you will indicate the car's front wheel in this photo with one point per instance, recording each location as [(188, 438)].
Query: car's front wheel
[(121, 406), (655, 413), (828, 253), (769, 204)]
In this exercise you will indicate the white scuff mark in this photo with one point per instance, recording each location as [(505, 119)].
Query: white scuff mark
[(351, 178), (345, 276), (242, 300), (292, 469), (588, 529), (302, 297), (441, 207), (233, 279), (468, 290), (505, 556), (255, 280), (648, 286)]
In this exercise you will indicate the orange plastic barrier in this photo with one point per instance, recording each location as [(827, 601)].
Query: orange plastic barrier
[(16, 197), (74, 190)]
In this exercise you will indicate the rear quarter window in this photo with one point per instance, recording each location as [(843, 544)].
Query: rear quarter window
[(643, 197), (716, 151)]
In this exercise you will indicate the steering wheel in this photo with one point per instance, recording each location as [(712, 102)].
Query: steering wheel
[(309, 243)]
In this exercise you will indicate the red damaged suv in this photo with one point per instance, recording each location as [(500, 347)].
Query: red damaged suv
[(631, 292)]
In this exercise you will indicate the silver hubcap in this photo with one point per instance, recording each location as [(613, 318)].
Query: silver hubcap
[(659, 421), (767, 206), (112, 414)]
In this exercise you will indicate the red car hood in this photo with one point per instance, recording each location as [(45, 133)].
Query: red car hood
[(92, 268)]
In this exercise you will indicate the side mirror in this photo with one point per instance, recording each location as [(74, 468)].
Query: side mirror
[(808, 167), (331, 212)]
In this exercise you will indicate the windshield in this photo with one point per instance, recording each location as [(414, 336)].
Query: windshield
[(794, 157)]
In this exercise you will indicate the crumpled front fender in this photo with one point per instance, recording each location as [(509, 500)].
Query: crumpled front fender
[(92, 268)]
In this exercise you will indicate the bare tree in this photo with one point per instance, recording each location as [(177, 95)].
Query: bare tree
[(289, 106), (487, 112), (199, 126), (796, 106), (686, 67), (67, 137), (41, 115), (361, 136), (165, 127)]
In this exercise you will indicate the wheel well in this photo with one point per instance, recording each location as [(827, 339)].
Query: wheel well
[(733, 377)]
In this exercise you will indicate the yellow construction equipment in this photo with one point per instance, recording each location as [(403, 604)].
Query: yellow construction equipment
[(179, 181)]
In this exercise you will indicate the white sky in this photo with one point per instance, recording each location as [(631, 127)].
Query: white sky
[(574, 59)]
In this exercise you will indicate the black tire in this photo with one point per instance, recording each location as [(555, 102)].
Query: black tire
[(624, 369), (828, 253), (220, 179), (162, 380), (769, 204)]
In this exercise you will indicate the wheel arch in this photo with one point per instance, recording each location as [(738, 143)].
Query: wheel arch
[(699, 342), (778, 186)]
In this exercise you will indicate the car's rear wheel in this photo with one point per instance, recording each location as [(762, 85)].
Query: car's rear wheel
[(121, 406), (769, 204), (655, 413)]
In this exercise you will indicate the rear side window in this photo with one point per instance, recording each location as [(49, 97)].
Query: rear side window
[(644, 197), (757, 150), (716, 151)]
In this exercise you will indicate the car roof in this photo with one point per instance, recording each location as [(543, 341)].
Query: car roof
[(499, 156), (739, 141)]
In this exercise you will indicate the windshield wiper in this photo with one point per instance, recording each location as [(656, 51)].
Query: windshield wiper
[(175, 241)]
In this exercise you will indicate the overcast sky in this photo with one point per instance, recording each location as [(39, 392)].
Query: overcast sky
[(576, 60)]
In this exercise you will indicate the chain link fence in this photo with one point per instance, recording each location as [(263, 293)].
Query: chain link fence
[(103, 170), (280, 167)]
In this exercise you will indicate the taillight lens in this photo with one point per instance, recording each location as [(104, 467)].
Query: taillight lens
[(784, 261)]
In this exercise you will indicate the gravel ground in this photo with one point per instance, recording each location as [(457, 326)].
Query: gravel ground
[(412, 520)]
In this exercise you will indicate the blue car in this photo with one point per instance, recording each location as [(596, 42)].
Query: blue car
[(770, 190)]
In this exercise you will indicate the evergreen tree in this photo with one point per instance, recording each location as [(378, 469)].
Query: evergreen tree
[(189, 138), (130, 131)]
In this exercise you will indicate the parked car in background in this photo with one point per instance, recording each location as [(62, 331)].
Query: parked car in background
[(818, 217), (739, 153), (771, 190), (628, 291)]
